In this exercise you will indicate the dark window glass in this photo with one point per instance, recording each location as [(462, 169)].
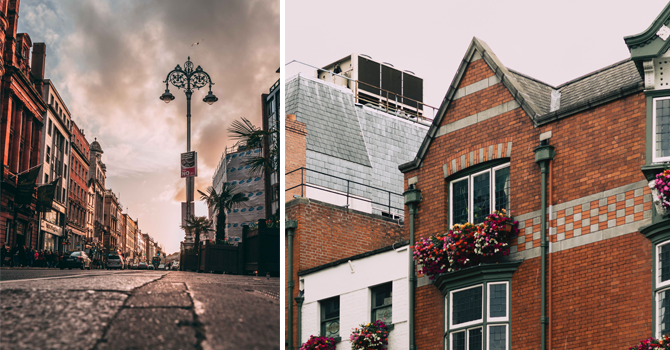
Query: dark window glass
[(481, 197), (382, 300), (663, 128), (458, 341), (475, 339), (497, 338), (498, 300), (664, 311), (467, 305), (330, 317), (502, 183), (460, 199), (664, 262)]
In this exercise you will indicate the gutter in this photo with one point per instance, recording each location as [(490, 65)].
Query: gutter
[(412, 199), (543, 156), (291, 225)]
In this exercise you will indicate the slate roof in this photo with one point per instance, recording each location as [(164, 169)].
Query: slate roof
[(581, 91), (332, 125)]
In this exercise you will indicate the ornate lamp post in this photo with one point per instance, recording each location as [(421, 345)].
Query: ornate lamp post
[(188, 79)]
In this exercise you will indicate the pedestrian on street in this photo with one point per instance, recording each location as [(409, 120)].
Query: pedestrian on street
[(22, 255), (3, 254), (15, 254), (29, 256), (48, 258)]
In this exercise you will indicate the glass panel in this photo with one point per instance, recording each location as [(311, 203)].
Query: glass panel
[(502, 181), (382, 296), (482, 197), (498, 300), (497, 338), (384, 314), (664, 311), (458, 341), (460, 202), (475, 339), (664, 262), (467, 305), (332, 328), (331, 308), (662, 128)]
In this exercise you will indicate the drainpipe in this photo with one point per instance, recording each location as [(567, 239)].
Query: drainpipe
[(291, 225), (299, 300), (543, 156), (412, 199)]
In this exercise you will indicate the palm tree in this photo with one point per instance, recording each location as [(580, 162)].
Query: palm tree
[(226, 200), (197, 225), (255, 137)]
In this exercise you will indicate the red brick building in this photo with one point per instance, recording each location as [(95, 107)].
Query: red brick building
[(22, 123), (78, 204), (599, 139)]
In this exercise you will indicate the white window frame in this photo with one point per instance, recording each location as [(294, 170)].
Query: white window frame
[(488, 334), (453, 327), (655, 159), (660, 284), (490, 319), (467, 339), (492, 171)]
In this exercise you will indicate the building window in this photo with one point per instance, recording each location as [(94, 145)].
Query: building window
[(48, 154), (661, 129), (49, 128), (662, 289), (478, 317), (475, 196), (382, 301), (330, 317)]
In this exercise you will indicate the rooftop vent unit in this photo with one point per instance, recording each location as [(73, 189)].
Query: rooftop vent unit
[(376, 83)]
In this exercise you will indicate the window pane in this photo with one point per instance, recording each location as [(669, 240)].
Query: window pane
[(382, 295), (384, 314), (502, 189), (467, 305), (482, 197), (498, 300), (664, 311), (663, 128), (332, 328), (460, 199), (664, 262), (458, 341), (475, 339), (497, 338), (331, 308)]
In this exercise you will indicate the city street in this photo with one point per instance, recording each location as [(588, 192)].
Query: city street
[(129, 309)]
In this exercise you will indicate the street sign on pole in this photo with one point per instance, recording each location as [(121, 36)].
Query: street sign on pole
[(189, 164)]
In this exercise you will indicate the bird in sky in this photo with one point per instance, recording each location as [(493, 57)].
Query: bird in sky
[(197, 42)]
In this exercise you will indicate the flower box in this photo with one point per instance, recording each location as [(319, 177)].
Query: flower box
[(466, 245)]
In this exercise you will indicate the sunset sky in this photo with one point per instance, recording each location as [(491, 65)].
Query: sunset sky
[(108, 60)]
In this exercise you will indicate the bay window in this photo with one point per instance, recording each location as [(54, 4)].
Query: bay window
[(476, 195)]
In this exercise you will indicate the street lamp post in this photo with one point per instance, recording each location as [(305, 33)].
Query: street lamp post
[(188, 79)]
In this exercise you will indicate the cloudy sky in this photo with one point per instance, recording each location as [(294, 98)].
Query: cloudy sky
[(553, 41), (108, 60)]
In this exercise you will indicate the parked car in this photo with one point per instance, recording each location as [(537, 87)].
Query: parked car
[(115, 261), (77, 259), (142, 265), (134, 266), (150, 267), (161, 267), (175, 265)]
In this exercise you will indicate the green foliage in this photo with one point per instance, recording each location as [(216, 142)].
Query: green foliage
[(223, 201)]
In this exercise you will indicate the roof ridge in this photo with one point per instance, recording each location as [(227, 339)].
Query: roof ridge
[(587, 75), (529, 77)]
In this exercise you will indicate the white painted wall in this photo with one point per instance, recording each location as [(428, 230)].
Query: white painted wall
[(353, 287)]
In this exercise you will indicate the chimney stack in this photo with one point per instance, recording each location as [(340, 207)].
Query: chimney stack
[(39, 58)]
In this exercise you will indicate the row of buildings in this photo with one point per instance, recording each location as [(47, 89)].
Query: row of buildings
[(575, 164), (41, 143)]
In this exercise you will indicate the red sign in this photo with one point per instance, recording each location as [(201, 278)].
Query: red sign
[(189, 164)]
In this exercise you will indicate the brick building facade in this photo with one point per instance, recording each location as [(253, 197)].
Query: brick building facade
[(22, 125), (78, 201), (605, 241)]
